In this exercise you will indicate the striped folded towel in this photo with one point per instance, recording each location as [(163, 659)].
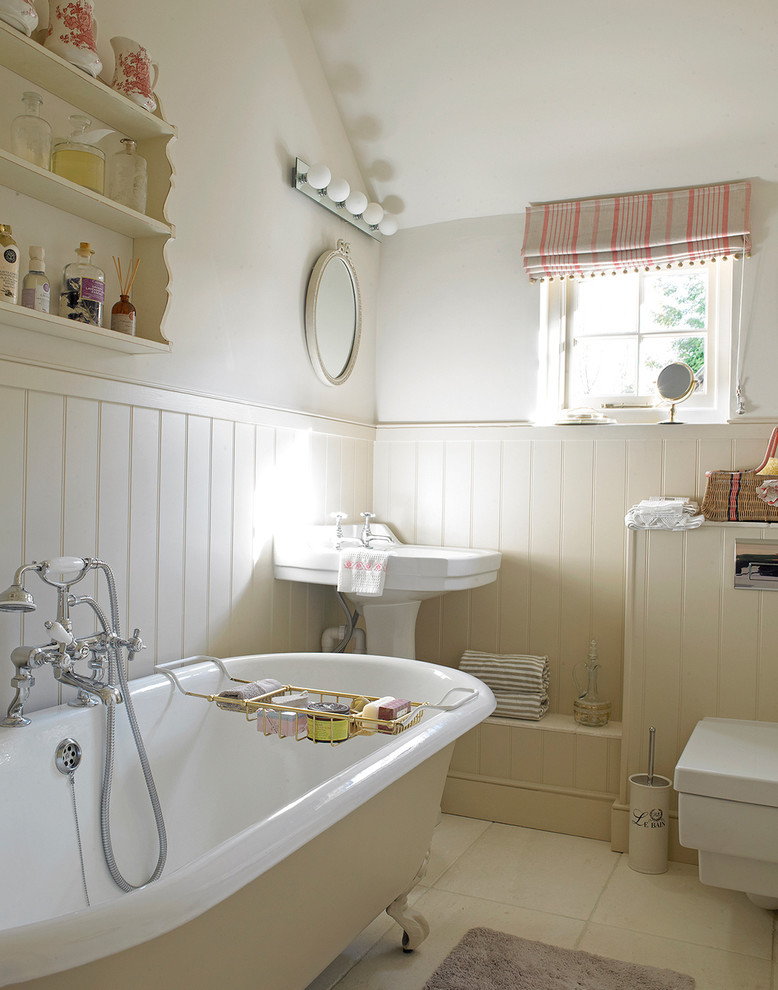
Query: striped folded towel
[(527, 705), (511, 673)]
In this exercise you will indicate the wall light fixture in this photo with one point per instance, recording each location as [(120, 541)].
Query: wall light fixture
[(336, 195)]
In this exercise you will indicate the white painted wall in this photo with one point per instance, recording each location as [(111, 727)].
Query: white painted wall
[(458, 321)]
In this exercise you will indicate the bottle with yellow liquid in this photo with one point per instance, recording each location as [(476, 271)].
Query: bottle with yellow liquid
[(78, 160)]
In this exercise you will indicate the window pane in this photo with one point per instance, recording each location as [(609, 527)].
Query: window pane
[(656, 352), (674, 301), (603, 367), (606, 304)]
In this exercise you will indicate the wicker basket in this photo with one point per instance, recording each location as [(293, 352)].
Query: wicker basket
[(730, 496)]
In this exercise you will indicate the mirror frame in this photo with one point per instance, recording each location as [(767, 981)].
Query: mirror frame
[(690, 388), (340, 253)]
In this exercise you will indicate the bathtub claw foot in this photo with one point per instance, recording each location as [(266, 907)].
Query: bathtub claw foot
[(414, 925)]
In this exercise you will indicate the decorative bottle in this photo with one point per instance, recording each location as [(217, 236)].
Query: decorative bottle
[(588, 707), (123, 316), (36, 291), (83, 289), (78, 160), (9, 265), (31, 134), (127, 180)]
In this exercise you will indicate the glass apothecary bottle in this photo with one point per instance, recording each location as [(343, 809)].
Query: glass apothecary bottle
[(83, 289), (78, 160), (30, 133), (127, 178)]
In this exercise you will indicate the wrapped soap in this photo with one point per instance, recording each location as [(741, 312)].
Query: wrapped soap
[(390, 710)]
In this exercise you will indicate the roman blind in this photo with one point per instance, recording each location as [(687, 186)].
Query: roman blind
[(642, 230)]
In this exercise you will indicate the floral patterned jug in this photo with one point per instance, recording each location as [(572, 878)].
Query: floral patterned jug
[(135, 74), (20, 14), (72, 33)]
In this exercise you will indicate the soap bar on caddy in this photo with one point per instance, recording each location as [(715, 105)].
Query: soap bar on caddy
[(391, 710)]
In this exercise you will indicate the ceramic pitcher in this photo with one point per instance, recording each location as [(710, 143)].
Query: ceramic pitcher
[(135, 74), (72, 33), (20, 14)]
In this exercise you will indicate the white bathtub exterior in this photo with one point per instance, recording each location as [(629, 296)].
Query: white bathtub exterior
[(237, 806)]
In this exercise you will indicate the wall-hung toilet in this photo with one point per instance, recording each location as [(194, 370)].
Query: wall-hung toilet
[(727, 783)]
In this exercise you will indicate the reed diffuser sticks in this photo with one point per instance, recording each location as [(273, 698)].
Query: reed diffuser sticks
[(123, 312)]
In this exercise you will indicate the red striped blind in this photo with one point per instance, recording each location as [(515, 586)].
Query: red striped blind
[(643, 230)]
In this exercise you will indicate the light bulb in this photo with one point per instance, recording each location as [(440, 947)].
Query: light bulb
[(388, 226), (356, 202), (338, 190), (318, 176), (373, 214)]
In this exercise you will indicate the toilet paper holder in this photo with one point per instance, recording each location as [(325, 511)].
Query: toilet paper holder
[(756, 565)]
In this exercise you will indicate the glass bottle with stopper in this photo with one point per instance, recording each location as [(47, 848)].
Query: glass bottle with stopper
[(588, 707), (31, 134), (127, 179)]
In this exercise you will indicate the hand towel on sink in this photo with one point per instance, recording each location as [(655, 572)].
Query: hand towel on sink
[(362, 571)]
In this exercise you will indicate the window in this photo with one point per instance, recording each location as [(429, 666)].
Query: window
[(631, 283), (609, 337)]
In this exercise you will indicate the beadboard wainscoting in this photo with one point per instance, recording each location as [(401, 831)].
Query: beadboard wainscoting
[(695, 646), (180, 494), (553, 500)]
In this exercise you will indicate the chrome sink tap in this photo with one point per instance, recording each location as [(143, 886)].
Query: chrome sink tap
[(368, 536)]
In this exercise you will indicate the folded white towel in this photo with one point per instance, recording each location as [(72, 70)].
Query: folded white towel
[(362, 571), (644, 516), (507, 673)]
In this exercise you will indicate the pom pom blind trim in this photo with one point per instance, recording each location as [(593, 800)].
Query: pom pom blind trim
[(643, 230)]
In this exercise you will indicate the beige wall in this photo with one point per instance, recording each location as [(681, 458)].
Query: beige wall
[(552, 499)]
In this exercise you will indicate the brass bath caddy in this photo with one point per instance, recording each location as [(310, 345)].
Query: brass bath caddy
[(275, 718)]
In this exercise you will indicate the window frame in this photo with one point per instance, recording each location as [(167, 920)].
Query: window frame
[(714, 406)]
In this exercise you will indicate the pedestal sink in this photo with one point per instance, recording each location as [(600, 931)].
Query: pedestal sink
[(413, 573)]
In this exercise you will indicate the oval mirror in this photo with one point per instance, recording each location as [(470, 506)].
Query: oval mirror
[(675, 382), (333, 316)]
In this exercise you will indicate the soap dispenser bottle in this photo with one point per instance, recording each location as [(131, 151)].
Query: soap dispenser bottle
[(588, 707), (83, 289), (36, 292)]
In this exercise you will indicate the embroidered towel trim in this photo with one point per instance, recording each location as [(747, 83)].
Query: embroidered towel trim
[(362, 571)]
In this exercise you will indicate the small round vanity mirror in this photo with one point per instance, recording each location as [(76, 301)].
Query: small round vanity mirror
[(333, 316), (675, 382)]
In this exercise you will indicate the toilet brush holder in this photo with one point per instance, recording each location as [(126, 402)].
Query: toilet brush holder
[(649, 804)]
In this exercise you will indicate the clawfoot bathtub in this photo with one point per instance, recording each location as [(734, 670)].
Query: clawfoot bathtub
[(279, 851)]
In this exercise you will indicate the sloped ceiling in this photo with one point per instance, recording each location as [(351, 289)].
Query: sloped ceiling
[(471, 108)]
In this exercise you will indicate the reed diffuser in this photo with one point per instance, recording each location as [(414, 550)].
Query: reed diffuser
[(123, 312)]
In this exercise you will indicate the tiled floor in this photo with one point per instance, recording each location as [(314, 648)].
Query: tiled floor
[(567, 891)]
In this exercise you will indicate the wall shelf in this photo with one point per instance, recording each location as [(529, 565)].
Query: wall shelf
[(46, 187), (148, 232), (56, 326), (37, 64)]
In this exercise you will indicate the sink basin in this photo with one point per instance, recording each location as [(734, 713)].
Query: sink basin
[(413, 574)]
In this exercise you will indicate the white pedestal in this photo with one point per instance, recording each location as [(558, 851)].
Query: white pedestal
[(391, 629)]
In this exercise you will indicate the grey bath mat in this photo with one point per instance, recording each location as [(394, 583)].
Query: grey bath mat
[(489, 960)]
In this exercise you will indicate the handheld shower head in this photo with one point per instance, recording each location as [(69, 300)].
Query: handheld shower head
[(16, 599)]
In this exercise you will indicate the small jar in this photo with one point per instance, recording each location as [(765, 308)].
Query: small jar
[(127, 177), (77, 160)]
